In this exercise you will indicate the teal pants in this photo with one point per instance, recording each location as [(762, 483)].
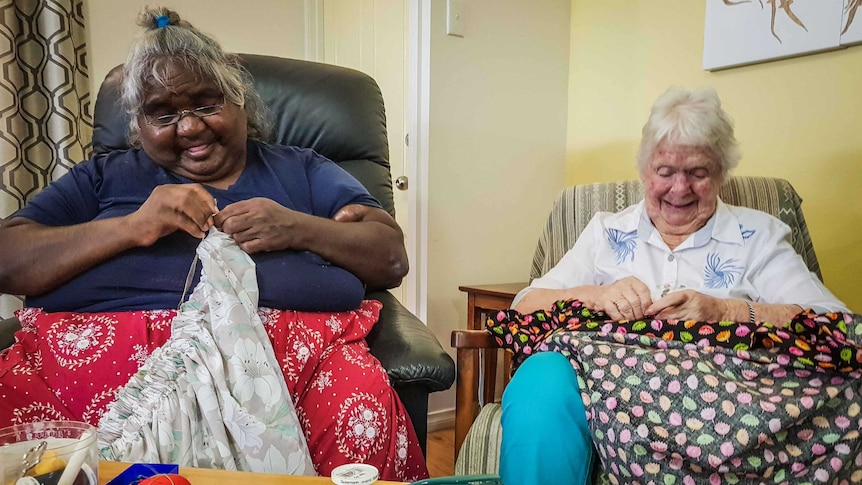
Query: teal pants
[(546, 438)]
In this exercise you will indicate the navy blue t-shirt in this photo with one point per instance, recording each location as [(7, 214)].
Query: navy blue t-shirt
[(148, 278)]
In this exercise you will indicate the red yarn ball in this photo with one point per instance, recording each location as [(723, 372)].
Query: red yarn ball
[(165, 479)]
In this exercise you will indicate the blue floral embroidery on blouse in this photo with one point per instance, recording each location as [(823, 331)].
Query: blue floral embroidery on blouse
[(623, 244), (718, 274), (746, 233)]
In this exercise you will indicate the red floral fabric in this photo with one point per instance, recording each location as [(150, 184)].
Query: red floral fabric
[(70, 366)]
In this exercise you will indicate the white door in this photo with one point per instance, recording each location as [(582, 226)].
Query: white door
[(371, 36)]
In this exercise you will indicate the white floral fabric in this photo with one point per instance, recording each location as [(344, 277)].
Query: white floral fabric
[(214, 395)]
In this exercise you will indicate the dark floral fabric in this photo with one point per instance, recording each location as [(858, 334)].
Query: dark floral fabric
[(676, 401)]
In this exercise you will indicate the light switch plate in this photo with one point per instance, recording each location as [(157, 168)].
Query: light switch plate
[(455, 17)]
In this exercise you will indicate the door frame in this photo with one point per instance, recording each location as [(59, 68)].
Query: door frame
[(418, 106), (415, 285)]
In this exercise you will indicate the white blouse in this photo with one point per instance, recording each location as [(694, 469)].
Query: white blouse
[(740, 253)]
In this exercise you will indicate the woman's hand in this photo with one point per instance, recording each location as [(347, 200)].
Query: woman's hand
[(625, 299), (690, 305), (184, 207), (261, 224)]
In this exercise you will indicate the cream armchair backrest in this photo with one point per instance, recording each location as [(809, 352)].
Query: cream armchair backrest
[(576, 205)]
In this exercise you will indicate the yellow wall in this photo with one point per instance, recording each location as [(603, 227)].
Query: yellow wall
[(268, 27), (796, 118)]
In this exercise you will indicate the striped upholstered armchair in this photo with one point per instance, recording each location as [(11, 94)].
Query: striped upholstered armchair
[(477, 450)]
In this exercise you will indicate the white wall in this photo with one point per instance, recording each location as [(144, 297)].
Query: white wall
[(270, 27), (497, 148)]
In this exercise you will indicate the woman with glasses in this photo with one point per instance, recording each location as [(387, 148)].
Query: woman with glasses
[(117, 234)]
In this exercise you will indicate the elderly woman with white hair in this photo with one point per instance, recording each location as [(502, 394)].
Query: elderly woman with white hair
[(681, 253)]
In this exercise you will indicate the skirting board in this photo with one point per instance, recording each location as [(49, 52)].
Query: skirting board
[(442, 419)]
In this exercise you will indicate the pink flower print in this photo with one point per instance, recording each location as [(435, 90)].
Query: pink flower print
[(675, 419), (775, 425), (722, 428), (691, 382), (658, 446), (714, 461), (693, 451), (818, 449), (630, 362), (807, 402), (742, 331), (638, 411), (767, 406), (660, 357), (707, 414), (842, 422), (796, 351), (726, 449), (744, 398), (674, 387), (625, 436)]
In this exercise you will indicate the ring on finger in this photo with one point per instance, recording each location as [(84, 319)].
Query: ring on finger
[(618, 301)]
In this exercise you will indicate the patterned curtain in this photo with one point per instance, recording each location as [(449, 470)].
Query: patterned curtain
[(46, 124)]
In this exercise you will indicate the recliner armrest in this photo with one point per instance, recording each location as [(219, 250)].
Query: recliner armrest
[(407, 348), (8, 328)]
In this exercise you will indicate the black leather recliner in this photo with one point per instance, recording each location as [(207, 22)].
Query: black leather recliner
[(339, 113)]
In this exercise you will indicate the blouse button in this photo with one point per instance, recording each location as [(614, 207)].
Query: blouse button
[(670, 257)]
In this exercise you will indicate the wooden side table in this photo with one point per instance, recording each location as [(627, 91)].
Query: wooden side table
[(482, 299), (476, 386)]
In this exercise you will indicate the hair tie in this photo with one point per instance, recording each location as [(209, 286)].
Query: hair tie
[(162, 21)]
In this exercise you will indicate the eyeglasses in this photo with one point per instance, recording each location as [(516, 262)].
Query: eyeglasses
[(174, 118)]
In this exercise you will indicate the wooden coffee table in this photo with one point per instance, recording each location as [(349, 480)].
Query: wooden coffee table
[(202, 476)]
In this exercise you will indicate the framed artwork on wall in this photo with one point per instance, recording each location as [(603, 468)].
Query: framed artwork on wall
[(851, 24), (741, 32)]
